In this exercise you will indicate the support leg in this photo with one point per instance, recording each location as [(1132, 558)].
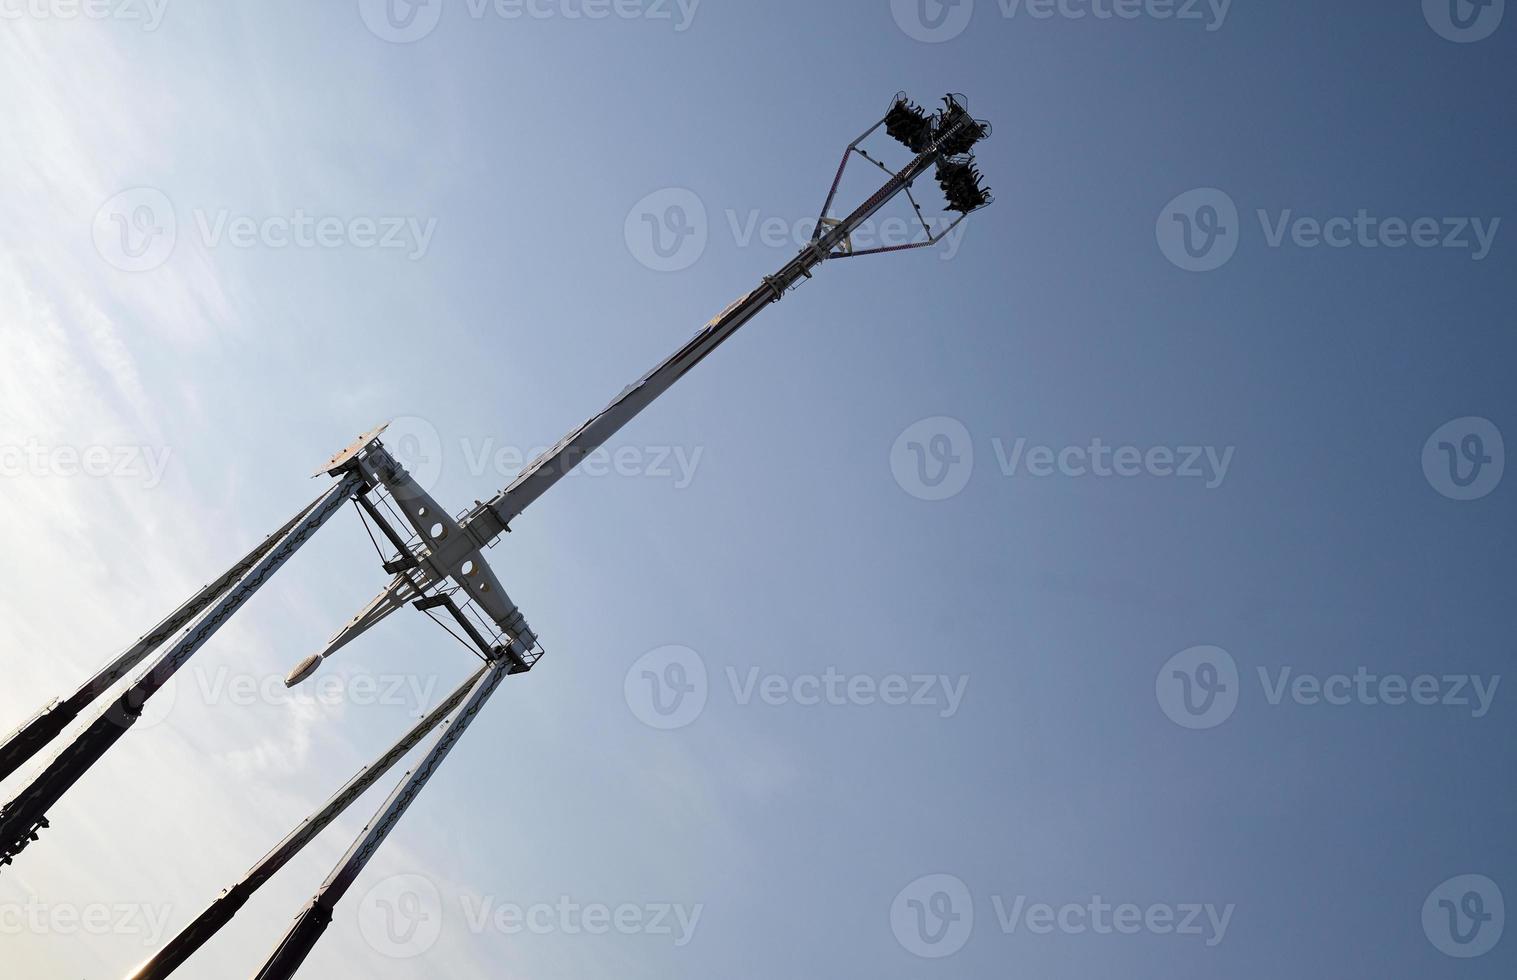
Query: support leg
[(311, 923), (23, 817), (221, 911), (24, 743)]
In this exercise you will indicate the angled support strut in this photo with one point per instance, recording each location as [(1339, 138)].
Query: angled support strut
[(25, 742), (313, 921), (26, 815), (221, 911)]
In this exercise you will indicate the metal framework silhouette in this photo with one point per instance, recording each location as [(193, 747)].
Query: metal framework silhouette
[(437, 565)]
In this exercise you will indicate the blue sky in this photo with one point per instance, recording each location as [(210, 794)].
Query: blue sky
[(232, 239)]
